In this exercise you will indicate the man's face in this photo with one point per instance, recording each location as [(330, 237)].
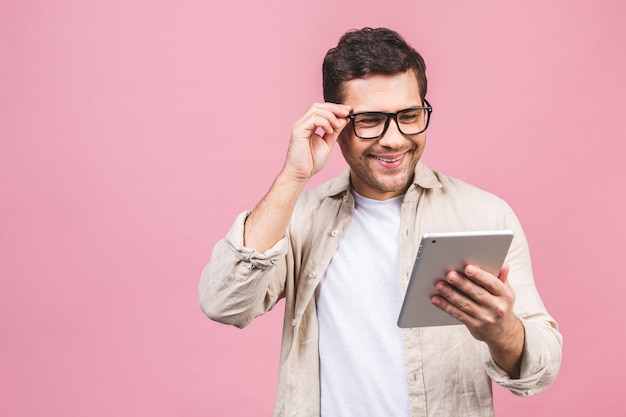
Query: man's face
[(382, 168)]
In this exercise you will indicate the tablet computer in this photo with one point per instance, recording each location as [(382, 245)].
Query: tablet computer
[(440, 253)]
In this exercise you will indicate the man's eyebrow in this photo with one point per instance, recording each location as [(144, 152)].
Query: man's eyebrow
[(387, 112)]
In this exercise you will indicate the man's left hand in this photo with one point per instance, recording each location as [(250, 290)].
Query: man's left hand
[(484, 303)]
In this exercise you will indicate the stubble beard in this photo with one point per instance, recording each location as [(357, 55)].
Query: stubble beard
[(390, 180)]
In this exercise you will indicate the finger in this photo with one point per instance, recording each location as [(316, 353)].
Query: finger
[(323, 140), (466, 285), (340, 110), (328, 110), (493, 296), (457, 298), (329, 122), (454, 310), (320, 117), (337, 130), (335, 115), (328, 139), (319, 122), (504, 274), (484, 279)]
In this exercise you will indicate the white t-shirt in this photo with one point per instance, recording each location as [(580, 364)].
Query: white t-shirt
[(362, 363)]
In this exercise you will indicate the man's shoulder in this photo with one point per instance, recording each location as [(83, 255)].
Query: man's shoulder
[(454, 187), (459, 205), (436, 183), (334, 188)]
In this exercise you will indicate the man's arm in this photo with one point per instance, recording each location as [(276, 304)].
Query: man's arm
[(243, 279), (308, 153)]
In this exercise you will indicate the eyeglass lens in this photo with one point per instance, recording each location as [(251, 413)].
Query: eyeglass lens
[(371, 125)]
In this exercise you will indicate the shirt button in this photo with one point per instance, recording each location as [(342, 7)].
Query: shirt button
[(293, 322), (334, 233), (312, 275)]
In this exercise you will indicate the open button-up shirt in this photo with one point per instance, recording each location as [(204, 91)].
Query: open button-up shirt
[(449, 372)]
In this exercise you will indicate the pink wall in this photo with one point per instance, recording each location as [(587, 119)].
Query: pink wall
[(133, 131)]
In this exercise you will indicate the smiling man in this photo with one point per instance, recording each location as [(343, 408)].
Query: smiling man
[(341, 256)]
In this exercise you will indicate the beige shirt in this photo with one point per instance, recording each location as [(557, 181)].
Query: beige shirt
[(448, 371)]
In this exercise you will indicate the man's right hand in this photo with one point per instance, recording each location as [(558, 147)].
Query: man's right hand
[(308, 153), (308, 150)]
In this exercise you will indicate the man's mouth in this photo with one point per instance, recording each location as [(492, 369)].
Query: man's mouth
[(388, 160)]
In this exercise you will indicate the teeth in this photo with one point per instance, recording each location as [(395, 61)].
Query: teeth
[(389, 160)]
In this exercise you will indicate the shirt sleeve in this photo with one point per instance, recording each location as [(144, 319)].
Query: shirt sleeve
[(239, 283), (541, 357)]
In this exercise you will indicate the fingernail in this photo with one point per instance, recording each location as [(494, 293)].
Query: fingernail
[(453, 278)]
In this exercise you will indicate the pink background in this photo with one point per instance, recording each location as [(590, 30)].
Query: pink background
[(133, 131)]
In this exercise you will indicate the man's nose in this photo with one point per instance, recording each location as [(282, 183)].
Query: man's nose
[(392, 138)]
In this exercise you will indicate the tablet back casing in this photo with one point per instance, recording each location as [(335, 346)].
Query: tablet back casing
[(443, 252)]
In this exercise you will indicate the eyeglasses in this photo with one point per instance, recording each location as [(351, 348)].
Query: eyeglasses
[(374, 124)]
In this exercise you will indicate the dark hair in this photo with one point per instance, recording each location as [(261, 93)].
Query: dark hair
[(369, 51)]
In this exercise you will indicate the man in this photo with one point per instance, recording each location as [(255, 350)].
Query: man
[(341, 256)]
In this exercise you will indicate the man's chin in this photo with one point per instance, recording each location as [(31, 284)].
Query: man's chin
[(395, 182), (397, 186)]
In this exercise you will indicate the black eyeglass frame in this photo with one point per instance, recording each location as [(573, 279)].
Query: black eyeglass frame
[(428, 109)]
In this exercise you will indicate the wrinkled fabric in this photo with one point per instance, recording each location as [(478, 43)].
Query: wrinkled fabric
[(449, 373)]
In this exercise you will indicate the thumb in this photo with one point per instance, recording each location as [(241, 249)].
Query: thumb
[(504, 274), (336, 133)]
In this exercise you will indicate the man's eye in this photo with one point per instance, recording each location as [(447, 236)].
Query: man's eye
[(408, 117), (370, 120)]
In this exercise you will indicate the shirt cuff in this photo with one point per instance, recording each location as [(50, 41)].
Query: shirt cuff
[(534, 372), (250, 256)]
